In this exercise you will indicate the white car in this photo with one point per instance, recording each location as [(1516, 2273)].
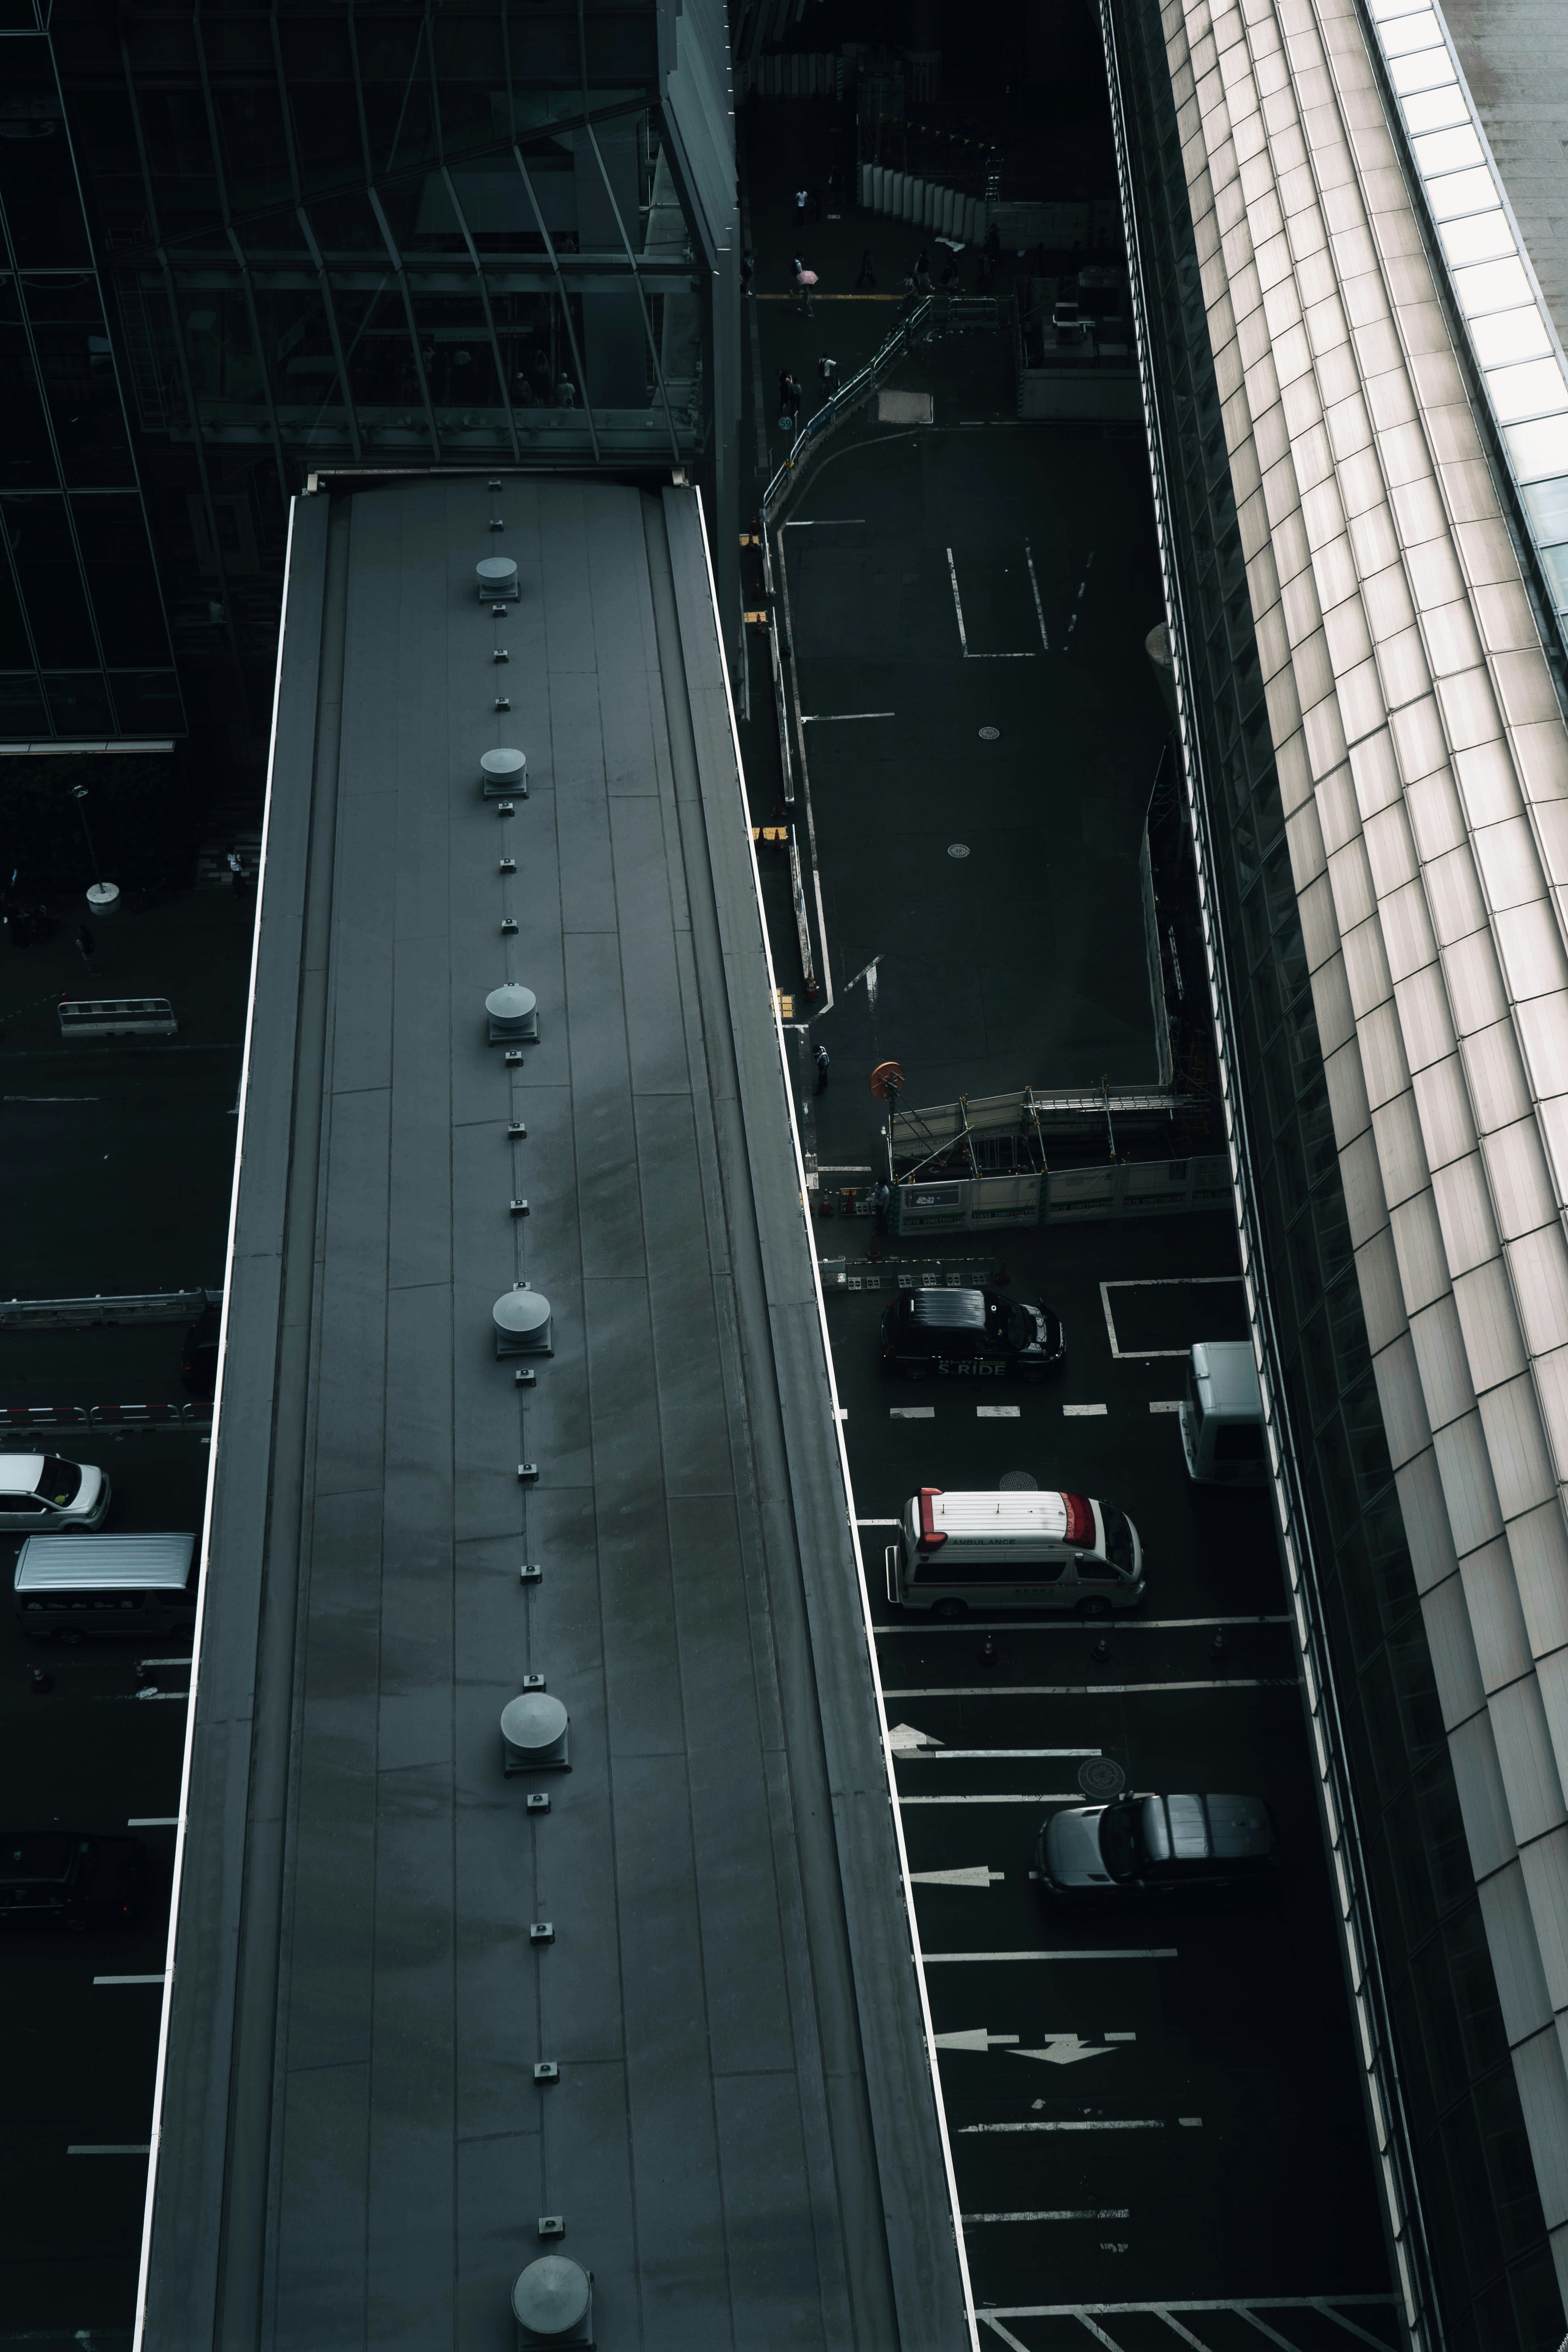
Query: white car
[(42, 1495)]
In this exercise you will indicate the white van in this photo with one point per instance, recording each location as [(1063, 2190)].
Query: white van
[(996, 1550), (76, 1587), (1222, 1416)]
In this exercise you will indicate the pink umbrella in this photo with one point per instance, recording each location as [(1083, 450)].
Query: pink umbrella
[(805, 276)]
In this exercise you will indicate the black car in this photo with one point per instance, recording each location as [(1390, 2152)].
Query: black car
[(973, 1333), (199, 1369), (59, 1878)]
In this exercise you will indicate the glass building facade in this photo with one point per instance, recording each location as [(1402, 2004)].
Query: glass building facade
[(246, 244), (1461, 2156)]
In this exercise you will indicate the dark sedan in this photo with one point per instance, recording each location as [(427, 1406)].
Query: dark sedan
[(970, 1334)]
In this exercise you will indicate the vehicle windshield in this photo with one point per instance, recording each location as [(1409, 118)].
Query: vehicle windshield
[(61, 1481), (1118, 1539), (1007, 1321), (1121, 1846)]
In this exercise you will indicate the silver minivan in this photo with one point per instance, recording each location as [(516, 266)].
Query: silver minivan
[(988, 1549), (81, 1588)]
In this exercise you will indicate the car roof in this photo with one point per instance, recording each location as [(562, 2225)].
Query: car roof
[(97, 1563), (20, 1472), (949, 1310)]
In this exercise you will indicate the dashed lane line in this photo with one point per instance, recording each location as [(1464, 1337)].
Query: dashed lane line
[(1059, 1626), (1071, 1690), (1151, 1952)]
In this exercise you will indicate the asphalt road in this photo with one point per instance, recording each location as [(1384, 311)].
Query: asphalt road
[(1157, 2104)]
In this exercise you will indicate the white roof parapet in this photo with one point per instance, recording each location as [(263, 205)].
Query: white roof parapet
[(1422, 763)]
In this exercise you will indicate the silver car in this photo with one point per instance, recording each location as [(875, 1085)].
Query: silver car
[(1156, 1846), (42, 1495)]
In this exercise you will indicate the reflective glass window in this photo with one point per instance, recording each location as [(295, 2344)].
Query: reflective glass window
[(37, 177), (395, 75), (297, 350), (51, 586), (78, 702), (26, 459), (318, 69), (118, 560), (80, 386), (180, 158), (147, 702), (382, 377), (23, 712), (254, 153)]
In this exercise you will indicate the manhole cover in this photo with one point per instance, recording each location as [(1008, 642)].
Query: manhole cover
[(991, 734), (1102, 1776), (1018, 1482), (958, 848)]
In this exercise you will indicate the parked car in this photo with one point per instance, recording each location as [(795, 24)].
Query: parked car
[(74, 1589), (199, 1369), (991, 1549), (40, 1495), (1154, 1845), (59, 1878), (971, 1334)]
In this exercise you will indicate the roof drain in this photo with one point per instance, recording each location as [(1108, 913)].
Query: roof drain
[(553, 2302), (512, 1014), (536, 1735), (503, 774), (497, 578), (521, 1320)]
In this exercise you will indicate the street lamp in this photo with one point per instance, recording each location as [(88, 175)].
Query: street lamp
[(102, 897)]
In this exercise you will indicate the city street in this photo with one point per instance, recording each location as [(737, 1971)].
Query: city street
[(1153, 2106)]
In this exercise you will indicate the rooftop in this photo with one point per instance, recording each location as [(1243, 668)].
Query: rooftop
[(742, 2143)]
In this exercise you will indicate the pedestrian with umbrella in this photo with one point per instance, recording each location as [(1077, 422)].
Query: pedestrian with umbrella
[(805, 280)]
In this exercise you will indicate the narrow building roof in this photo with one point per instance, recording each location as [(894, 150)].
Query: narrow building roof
[(378, 1937)]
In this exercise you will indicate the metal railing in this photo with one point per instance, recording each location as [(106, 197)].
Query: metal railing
[(123, 1306), (933, 314)]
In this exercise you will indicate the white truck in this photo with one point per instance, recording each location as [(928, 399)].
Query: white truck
[(1222, 1417)]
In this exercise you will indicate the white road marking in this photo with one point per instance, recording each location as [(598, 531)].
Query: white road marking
[(1157, 1282), (909, 1412), (1030, 1796), (823, 522), (1085, 1412), (974, 2038), (1119, 2037), (1075, 1690), (1065, 2050), (980, 1875), (1243, 2304), (1190, 2123), (152, 1980), (52, 1099), (154, 1821), (998, 1413), (933, 1752), (1039, 610), (1126, 1624), (952, 575), (1141, 2123), (1153, 1952), (836, 718), (905, 1740), (1078, 2213), (110, 2148), (1164, 1404)]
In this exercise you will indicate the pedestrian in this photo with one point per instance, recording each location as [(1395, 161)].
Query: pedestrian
[(565, 393), (879, 1200), (86, 945), (922, 263), (802, 198), (791, 398), (236, 865), (827, 376), (748, 271), (821, 1069), (805, 280), (868, 275), (994, 243), (948, 274)]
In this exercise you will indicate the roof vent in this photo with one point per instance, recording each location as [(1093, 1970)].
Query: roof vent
[(496, 576), (553, 2302), (522, 1319), (535, 1733), (513, 1016), (504, 775)]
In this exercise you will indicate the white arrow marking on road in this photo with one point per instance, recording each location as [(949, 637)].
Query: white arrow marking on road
[(975, 2039), (979, 1876), (905, 1740), (1065, 2050)]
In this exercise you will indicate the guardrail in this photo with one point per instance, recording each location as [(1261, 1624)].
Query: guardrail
[(130, 1307), (935, 313), (116, 1016), (38, 1420)]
